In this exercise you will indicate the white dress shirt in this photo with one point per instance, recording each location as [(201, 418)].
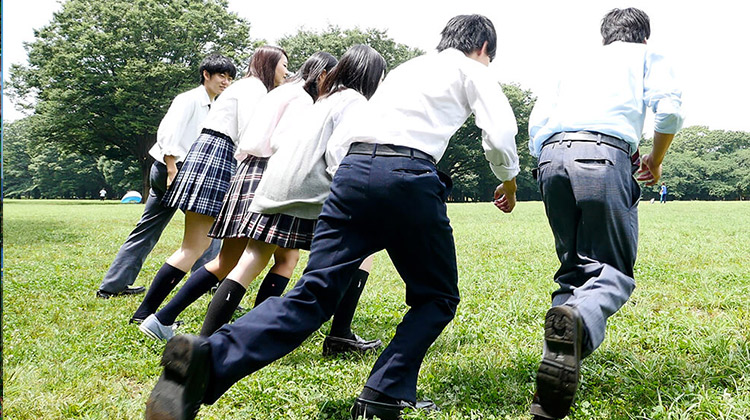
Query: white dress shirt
[(608, 92), (424, 101), (297, 179), (267, 124), (235, 106), (180, 127)]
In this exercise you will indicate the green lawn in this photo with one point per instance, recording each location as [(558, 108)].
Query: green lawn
[(678, 350)]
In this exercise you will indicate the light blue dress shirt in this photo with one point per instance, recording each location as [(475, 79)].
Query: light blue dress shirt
[(608, 92)]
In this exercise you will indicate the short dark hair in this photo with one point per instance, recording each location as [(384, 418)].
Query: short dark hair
[(217, 63), (311, 70), (263, 64), (360, 68), (627, 25), (467, 33)]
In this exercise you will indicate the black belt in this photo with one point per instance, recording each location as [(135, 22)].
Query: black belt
[(390, 150), (216, 134), (589, 137)]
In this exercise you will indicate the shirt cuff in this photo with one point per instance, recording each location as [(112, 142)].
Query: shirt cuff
[(504, 173), (668, 117)]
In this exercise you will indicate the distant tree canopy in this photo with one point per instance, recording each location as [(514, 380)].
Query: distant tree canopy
[(101, 74), (336, 41), (704, 164)]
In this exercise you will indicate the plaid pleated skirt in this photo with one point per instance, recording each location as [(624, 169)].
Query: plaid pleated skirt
[(234, 216), (203, 180), (282, 230)]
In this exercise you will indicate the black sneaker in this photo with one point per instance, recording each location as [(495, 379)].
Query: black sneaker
[(336, 345), (179, 392), (560, 370)]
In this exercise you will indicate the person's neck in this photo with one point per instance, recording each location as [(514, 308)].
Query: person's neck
[(211, 95)]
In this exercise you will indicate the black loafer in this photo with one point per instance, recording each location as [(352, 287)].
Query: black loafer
[(127, 292), (336, 345), (179, 392), (368, 409), (559, 373)]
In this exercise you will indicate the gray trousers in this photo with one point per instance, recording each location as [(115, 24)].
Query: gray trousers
[(591, 200), (141, 241)]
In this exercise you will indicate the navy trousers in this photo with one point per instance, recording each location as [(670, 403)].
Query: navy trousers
[(141, 241), (391, 203), (591, 200)]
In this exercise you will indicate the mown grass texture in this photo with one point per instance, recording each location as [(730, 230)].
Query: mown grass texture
[(678, 350)]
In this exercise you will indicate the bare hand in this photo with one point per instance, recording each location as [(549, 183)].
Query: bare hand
[(649, 171), (505, 201), (171, 174)]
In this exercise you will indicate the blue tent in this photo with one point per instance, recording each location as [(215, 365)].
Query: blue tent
[(131, 197)]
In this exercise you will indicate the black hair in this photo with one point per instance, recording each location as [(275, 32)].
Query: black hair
[(311, 70), (467, 33), (627, 25), (263, 64), (217, 63), (360, 68)]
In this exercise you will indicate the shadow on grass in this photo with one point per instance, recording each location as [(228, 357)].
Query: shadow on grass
[(33, 232), (57, 203)]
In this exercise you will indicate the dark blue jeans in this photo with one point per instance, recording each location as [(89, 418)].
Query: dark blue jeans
[(391, 203), (141, 241), (591, 200)]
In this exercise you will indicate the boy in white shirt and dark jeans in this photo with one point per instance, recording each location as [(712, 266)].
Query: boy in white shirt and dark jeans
[(386, 194), (177, 131)]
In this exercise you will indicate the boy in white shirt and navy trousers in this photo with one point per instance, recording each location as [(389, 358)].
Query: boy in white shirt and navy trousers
[(386, 194)]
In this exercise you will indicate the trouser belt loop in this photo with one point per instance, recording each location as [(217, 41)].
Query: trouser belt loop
[(374, 150), (598, 139), (411, 154)]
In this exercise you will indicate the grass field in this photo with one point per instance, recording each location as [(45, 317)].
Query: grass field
[(678, 350)]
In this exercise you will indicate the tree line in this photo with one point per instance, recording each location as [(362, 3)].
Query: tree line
[(101, 75)]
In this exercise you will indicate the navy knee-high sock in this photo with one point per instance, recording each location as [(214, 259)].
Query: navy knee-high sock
[(222, 306), (341, 326), (165, 281), (273, 285), (199, 283)]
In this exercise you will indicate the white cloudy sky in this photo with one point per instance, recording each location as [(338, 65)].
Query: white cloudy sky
[(707, 40)]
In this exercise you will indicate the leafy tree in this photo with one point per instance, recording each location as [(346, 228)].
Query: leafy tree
[(705, 164), (58, 173), (464, 159), (101, 74), (17, 179), (120, 177), (40, 169), (336, 41)]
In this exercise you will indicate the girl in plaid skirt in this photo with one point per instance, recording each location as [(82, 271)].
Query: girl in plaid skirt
[(200, 185), (297, 181), (294, 97)]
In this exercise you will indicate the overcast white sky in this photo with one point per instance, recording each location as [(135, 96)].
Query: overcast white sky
[(707, 40)]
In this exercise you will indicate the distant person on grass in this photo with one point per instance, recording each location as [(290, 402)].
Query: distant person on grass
[(585, 137), (177, 132), (663, 193), (386, 194)]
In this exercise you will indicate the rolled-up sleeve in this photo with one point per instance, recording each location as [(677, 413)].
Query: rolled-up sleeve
[(662, 94), (495, 117), (173, 128)]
